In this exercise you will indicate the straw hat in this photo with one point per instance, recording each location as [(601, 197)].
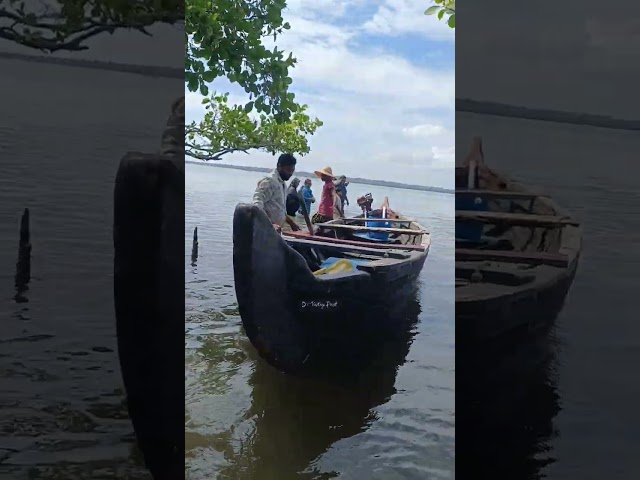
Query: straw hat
[(325, 171)]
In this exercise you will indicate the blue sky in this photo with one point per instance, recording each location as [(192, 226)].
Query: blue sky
[(381, 76)]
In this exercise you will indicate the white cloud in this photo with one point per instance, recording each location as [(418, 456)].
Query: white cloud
[(397, 17), (423, 130), (319, 8), (377, 106)]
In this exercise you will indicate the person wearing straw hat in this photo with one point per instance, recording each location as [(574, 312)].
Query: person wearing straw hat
[(329, 198)]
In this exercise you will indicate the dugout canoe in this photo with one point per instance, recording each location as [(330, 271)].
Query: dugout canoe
[(305, 300)]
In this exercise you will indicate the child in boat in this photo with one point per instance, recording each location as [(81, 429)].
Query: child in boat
[(328, 197), (293, 200), (366, 201), (341, 190), (306, 194)]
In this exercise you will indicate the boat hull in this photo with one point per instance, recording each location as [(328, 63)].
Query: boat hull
[(301, 323), (523, 270), (512, 317)]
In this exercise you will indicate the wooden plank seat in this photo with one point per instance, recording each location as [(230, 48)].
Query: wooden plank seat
[(533, 258), (499, 194), (376, 220), (367, 245), (518, 219), (355, 228)]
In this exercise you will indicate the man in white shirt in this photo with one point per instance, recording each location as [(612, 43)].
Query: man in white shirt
[(270, 194)]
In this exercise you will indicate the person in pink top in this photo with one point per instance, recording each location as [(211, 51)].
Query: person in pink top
[(328, 197)]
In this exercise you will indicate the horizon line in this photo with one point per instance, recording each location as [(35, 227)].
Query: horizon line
[(363, 181)]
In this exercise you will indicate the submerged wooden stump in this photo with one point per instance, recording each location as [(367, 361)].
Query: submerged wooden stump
[(148, 235), (194, 248), (23, 265)]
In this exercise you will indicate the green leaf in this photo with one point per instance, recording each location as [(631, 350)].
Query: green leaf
[(225, 38), (209, 76), (440, 14), (432, 10), (232, 129), (192, 84), (452, 21)]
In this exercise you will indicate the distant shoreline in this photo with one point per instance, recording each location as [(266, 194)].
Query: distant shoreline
[(145, 70), (362, 181), (515, 111)]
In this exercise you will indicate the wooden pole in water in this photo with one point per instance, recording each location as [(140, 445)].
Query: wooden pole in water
[(23, 266), (194, 247)]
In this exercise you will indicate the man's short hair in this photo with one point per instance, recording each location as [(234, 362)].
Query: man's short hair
[(286, 159)]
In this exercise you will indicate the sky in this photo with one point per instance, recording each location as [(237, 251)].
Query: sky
[(381, 76), (575, 55)]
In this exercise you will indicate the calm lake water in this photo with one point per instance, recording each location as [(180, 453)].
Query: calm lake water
[(247, 421), (582, 416), (58, 354)]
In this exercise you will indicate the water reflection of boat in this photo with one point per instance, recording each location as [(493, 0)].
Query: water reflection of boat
[(516, 255), (504, 425), (299, 319), (293, 420)]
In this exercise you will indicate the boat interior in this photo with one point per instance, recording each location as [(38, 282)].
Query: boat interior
[(393, 229), (503, 230), (359, 243)]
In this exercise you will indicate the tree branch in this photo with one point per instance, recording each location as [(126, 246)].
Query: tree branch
[(52, 32), (202, 152)]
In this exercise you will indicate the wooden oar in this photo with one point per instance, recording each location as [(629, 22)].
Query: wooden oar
[(303, 206)]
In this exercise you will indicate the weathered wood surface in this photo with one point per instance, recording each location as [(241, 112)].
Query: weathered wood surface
[(535, 258), (23, 265), (390, 220), (496, 273), (500, 194), (355, 228), (370, 245), (517, 219), (148, 234), (329, 246), (382, 262), (194, 247)]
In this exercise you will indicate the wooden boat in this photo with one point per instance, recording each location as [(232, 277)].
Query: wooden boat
[(516, 255), (307, 299)]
